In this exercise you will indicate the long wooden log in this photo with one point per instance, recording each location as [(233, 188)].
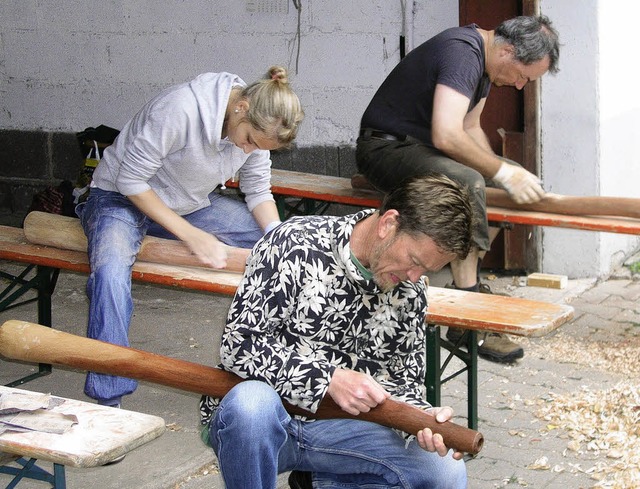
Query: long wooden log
[(66, 233), (20, 340), (551, 203), (570, 204)]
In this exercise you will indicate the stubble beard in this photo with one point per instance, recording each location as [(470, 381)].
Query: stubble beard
[(373, 263)]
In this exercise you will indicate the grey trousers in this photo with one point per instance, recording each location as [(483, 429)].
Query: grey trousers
[(387, 163)]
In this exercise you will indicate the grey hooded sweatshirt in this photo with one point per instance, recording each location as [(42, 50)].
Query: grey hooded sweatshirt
[(173, 146)]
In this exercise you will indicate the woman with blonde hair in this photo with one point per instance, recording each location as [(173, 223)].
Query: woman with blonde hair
[(161, 177)]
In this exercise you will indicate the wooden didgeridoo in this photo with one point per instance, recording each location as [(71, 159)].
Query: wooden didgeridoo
[(20, 340), (570, 204), (66, 233), (552, 203)]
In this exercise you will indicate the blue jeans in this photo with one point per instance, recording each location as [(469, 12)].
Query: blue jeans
[(254, 439), (115, 229)]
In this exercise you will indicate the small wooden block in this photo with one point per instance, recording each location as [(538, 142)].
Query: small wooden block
[(547, 280)]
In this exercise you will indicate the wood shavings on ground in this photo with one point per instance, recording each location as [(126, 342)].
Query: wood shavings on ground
[(622, 357), (603, 428), (210, 468)]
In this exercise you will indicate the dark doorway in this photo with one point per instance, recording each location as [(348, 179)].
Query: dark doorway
[(510, 122)]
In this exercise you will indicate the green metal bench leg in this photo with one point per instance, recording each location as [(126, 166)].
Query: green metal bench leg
[(30, 470), (281, 204), (472, 381), (18, 286), (301, 207), (432, 380), (59, 477), (43, 282), (47, 280), (309, 207)]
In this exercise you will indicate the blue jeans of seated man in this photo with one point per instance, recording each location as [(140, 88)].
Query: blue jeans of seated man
[(254, 439), (115, 229)]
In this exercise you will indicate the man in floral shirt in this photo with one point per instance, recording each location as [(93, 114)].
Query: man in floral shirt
[(336, 306)]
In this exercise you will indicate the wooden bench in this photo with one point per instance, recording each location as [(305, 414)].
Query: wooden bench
[(315, 192), (101, 435), (471, 311)]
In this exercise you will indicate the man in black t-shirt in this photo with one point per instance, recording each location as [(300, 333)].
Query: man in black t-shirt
[(425, 118)]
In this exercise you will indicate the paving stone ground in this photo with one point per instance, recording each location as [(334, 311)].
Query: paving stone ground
[(521, 449)]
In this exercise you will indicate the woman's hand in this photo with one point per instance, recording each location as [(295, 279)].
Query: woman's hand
[(207, 248), (204, 246)]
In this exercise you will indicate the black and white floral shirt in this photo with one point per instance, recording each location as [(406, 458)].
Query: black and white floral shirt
[(303, 309)]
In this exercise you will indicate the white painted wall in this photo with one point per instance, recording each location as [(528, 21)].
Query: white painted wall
[(69, 64), (619, 117), (66, 65), (589, 133)]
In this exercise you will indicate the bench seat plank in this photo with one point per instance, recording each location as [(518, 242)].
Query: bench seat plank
[(447, 307), (622, 225), (321, 187), (488, 312), (338, 190), (102, 434)]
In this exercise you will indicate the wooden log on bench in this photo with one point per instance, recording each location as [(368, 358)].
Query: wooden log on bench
[(573, 205), (66, 233), (338, 190), (553, 203), (15, 247)]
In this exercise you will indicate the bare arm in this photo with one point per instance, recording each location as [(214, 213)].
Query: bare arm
[(203, 245), (459, 135), (266, 213), (473, 128)]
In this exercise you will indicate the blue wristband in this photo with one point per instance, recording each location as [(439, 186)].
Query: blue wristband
[(271, 226)]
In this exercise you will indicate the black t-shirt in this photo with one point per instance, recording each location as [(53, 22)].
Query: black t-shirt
[(403, 104)]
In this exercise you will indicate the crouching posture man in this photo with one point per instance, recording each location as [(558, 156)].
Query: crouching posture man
[(335, 306)]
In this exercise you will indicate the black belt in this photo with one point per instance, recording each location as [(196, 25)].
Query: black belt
[(372, 133)]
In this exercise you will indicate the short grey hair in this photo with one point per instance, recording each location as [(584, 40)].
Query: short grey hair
[(532, 37)]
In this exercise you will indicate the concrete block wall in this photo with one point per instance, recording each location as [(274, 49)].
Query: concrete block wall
[(32, 160), (68, 65), (65, 66)]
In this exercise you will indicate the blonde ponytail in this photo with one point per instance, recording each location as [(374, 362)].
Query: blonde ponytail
[(273, 106)]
